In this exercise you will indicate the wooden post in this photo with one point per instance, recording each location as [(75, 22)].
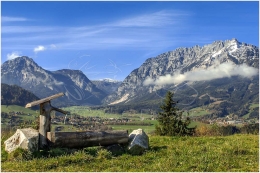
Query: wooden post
[(45, 123)]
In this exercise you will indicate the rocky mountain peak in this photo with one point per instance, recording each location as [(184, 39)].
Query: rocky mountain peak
[(24, 72), (23, 60), (22, 63), (108, 85), (182, 60)]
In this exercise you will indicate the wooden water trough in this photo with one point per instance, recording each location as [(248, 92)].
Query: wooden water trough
[(71, 139), (87, 138)]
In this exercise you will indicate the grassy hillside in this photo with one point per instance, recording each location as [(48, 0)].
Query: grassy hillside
[(27, 115), (166, 154), (251, 109), (17, 108), (86, 111), (199, 111)]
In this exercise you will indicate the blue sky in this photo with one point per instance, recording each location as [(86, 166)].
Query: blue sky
[(110, 39)]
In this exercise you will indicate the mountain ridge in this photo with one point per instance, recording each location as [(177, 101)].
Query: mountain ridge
[(189, 72), (185, 62), (78, 89)]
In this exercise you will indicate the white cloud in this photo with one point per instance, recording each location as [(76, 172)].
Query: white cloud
[(13, 55), (39, 48), (227, 69), (13, 19)]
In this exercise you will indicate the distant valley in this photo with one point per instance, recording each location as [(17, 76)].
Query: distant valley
[(109, 86)]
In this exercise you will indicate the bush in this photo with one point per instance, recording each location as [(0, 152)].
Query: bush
[(229, 130), (216, 130), (202, 131), (250, 129)]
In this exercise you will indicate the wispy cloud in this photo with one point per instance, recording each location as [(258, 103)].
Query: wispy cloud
[(227, 69), (143, 31), (13, 55), (39, 49), (53, 46), (13, 19), (26, 29), (156, 19)]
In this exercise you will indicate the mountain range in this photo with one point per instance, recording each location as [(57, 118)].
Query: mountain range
[(78, 89), (107, 85), (223, 76)]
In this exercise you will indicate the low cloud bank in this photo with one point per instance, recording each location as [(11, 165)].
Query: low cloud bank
[(227, 69)]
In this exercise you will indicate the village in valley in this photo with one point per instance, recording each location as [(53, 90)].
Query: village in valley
[(99, 120)]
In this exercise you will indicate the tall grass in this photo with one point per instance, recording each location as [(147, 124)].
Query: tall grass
[(238, 152)]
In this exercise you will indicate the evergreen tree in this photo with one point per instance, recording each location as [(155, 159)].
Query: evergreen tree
[(170, 119)]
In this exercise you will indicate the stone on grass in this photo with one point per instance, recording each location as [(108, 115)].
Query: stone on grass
[(115, 149), (27, 139), (138, 142)]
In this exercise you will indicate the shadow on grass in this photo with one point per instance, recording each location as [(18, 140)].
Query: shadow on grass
[(158, 148)]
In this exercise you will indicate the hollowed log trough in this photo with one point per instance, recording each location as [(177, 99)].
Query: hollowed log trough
[(87, 138)]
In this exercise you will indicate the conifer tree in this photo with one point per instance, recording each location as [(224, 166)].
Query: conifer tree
[(170, 119)]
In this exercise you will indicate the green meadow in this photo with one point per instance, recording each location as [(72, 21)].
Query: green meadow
[(236, 153)]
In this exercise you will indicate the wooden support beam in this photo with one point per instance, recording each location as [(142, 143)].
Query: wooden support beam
[(38, 102), (45, 118), (87, 139)]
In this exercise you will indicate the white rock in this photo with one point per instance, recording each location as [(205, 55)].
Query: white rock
[(27, 139), (138, 142)]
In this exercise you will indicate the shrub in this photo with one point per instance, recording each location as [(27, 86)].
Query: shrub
[(202, 131), (228, 130), (216, 130), (250, 129)]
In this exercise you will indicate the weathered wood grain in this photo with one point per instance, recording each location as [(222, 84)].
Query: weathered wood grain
[(87, 139), (44, 100)]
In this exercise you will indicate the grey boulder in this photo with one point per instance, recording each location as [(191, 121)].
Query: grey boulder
[(138, 142), (27, 139)]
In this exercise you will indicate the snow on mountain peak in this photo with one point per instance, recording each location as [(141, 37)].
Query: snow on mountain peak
[(108, 80), (234, 45)]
